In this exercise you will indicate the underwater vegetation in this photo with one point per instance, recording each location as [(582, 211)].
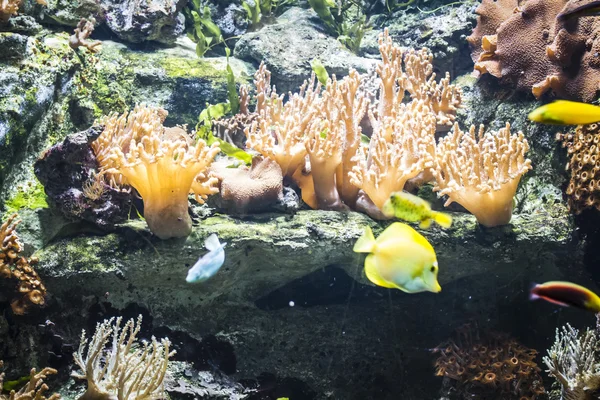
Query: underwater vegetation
[(561, 53), (488, 365), (30, 289)]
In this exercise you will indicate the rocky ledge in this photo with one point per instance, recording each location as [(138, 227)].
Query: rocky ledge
[(292, 302)]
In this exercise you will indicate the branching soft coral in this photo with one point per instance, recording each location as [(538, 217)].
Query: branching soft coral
[(318, 131), (30, 289), (482, 172), (279, 131), (34, 389), (134, 149), (572, 361), (400, 149), (127, 369), (79, 38)]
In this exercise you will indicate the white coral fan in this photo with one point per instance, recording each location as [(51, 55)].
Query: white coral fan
[(125, 370)]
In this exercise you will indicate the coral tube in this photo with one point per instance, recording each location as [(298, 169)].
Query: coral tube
[(163, 171), (482, 173)]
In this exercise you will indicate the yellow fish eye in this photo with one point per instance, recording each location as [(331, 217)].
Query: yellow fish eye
[(434, 266)]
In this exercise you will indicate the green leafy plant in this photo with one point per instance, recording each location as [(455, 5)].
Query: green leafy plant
[(257, 9), (213, 112), (320, 71), (201, 28), (347, 19), (31, 196)]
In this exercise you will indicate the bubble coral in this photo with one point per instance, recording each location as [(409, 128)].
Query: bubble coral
[(481, 172), (34, 389), (135, 149), (493, 365), (31, 290), (583, 147)]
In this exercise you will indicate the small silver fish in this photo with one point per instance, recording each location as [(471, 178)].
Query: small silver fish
[(208, 264)]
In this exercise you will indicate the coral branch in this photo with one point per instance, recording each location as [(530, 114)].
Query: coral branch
[(127, 369), (135, 149), (79, 38), (482, 172)]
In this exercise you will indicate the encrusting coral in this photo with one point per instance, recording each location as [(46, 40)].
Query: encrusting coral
[(30, 289), (243, 189), (127, 369), (524, 43), (493, 364), (34, 389), (79, 38), (481, 171), (583, 147), (135, 149), (573, 362)]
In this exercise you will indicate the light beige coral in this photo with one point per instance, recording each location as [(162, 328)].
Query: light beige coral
[(79, 38), (116, 365), (481, 172), (8, 8), (316, 135), (35, 389), (134, 150)]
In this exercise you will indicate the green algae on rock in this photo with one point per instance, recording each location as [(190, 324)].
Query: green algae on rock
[(272, 259)]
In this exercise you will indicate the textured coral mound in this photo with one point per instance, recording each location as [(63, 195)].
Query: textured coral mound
[(583, 147), (30, 289), (526, 46), (492, 365)]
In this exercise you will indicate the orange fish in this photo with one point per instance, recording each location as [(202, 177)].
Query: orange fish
[(566, 294)]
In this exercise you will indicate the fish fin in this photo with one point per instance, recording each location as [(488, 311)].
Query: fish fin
[(212, 242), (399, 230), (365, 243), (443, 219), (373, 273), (425, 224)]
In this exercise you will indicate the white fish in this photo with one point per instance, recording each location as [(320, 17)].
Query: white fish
[(208, 264)]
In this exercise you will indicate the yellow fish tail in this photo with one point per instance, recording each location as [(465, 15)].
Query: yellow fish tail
[(443, 219), (425, 224), (373, 273), (365, 243)]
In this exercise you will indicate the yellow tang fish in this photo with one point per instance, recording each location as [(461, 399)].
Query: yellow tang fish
[(411, 208), (564, 112), (400, 258)]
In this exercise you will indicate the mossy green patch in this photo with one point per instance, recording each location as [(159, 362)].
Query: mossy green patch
[(31, 196), (177, 67)]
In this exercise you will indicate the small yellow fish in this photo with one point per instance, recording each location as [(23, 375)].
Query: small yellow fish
[(564, 112), (411, 208), (400, 258)]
